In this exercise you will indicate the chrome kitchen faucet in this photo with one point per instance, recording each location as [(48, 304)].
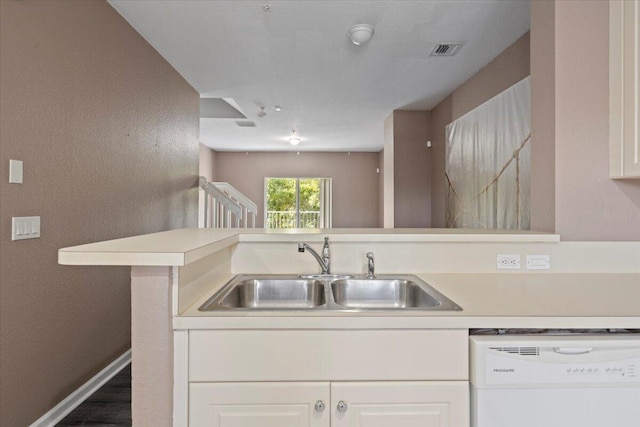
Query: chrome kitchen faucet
[(370, 266), (325, 260)]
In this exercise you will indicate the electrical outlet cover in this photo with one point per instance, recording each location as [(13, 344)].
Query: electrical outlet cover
[(508, 262)]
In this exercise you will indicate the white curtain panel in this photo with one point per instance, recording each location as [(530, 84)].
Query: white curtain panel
[(488, 157)]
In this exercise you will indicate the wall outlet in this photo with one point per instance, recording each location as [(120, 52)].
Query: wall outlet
[(508, 262), (538, 262)]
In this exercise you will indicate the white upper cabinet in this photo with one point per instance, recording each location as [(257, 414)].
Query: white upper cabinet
[(624, 89)]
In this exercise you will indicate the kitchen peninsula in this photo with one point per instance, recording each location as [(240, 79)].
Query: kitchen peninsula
[(178, 350)]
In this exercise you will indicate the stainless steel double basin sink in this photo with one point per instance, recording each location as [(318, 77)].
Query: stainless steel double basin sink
[(330, 292)]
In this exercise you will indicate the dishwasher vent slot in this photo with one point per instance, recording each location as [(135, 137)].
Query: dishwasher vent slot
[(522, 351)]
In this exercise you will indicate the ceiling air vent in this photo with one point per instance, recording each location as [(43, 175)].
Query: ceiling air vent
[(446, 49), (245, 123), (522, 351)]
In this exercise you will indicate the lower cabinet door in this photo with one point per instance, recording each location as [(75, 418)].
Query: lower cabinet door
[(259, 404), (400, 404)]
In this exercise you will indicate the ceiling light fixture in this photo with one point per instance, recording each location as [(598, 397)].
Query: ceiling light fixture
[(277, 108), (294, 140), (262, 114), (360, 34)]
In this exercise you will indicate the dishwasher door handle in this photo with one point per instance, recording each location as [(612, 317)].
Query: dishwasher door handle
[(572, 350)]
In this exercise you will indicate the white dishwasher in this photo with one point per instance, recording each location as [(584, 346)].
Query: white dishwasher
[(555, 381)]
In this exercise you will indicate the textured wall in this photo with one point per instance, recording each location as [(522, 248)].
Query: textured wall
[(108, 132), (508, 68), (412, 173), (589, 205), (355, 182)]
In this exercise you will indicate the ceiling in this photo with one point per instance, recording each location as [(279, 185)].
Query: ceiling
[(336, 95)]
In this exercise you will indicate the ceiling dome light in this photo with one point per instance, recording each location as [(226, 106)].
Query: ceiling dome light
[(360, 34), (294, 140)]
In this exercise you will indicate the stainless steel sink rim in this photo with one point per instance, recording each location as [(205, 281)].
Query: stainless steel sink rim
[(328, 303), (326, 276)]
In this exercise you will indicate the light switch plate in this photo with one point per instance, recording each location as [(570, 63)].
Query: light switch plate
[(538, 262), (15, 171), (25, 227)]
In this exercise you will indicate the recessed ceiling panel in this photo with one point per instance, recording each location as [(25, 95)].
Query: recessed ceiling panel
[(218, 108)]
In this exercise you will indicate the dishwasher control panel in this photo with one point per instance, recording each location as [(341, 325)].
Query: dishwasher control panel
[(554, 361), (616, 370)]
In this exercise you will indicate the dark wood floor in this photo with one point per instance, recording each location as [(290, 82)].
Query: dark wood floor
[(109, 406)]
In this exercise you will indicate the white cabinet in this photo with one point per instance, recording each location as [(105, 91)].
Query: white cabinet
[(265, 378), (258, 405), (624, 90), (328, 355), (336, 404), (400, 404)]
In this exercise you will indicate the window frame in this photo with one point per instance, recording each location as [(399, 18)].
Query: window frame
[(328, 180)]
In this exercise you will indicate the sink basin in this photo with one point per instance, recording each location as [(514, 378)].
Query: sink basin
[(268, 294), (327, 292), (398, 292)]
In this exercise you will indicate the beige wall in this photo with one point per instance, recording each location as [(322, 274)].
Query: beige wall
[(206, 169), (412, 174), (506, 69), (207, 162), (388, 175), (108, 132), (441, 116), (589, 205), (381, 189), (543, 86), (355, 181)]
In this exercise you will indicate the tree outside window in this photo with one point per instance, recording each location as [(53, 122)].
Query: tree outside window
[(293, 202)]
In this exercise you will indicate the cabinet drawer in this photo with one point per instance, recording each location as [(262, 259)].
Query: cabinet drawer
[(321, 355)]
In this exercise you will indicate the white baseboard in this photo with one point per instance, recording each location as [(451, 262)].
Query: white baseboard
[(71, 402)]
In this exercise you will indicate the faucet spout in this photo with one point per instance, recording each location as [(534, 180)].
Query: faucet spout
[(370, 266), (325, 260)]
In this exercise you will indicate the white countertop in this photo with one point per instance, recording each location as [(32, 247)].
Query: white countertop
[(184, 246), (488, 301)]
